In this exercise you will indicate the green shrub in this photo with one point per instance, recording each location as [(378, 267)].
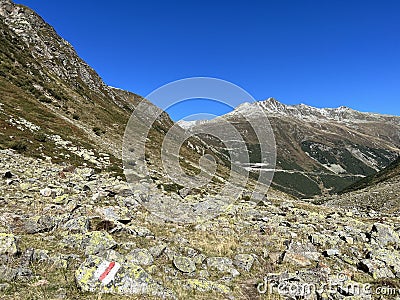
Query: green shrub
[(19, 146), (41, 137)]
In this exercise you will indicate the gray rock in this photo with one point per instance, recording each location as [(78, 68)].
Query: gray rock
[(141, 257), (8, 244), (222, 265), (77, 225), (244, 261), (8, 274), (203, 285), (102, 276), (331, 252), (157, 250), (385, 235), (92, 242), (39, 224), (376, 269), (184, 264)]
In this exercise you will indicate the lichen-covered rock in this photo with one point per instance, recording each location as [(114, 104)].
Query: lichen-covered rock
[(331, 252), (114, 213), (184, 264), (8, 274), (102, 276), (140, 257), (301, 254), (203, 285), (390, 258), (222, 265), (77, 225), (92, 242), (385, 235), (39, 224), (157, 250), (8, 244), (377, 269), (244, 261)]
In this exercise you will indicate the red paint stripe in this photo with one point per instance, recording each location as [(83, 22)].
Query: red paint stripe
[(107, 271)]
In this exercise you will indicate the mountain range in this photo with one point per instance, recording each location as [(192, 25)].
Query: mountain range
[(319, 150)]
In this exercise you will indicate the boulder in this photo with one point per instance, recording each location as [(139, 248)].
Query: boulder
[(384, 235), (140, 257), (8, 244), (115, 277), (244, 261), (184, 264)]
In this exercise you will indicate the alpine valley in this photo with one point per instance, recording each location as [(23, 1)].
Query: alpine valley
[(71, 227)]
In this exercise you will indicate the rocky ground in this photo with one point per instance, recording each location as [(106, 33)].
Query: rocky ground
[(71, 233)]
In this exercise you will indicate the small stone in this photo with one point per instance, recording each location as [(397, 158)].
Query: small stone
[(244, 261), (222, 265), (78, 225), (8, 274), (157, 250), (331, 252), (203, 285), (93, 242), (46, 192), (385, 235), (8, 244), (184, 264), (140, 257)]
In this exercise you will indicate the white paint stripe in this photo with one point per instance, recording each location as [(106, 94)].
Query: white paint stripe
[(101, 269), (110, 277)]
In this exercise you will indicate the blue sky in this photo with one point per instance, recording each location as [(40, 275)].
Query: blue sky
[(318, 52)]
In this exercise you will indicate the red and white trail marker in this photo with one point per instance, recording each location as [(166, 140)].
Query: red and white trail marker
[(106, 271)]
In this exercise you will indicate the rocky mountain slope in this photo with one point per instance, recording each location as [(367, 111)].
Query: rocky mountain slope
[(68, 233), (320, 151), (379, 192), (53, 104)]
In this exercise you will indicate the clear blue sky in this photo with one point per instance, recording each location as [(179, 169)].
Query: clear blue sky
[(322, 53)]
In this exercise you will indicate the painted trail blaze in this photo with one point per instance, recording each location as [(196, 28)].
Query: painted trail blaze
[(106, 271)]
